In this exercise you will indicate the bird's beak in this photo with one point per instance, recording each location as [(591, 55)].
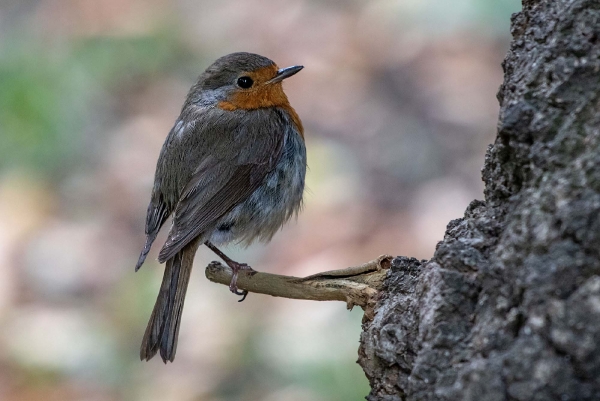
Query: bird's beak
[(284, 73)]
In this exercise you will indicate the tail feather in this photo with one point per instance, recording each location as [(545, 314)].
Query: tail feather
[(163, 327)]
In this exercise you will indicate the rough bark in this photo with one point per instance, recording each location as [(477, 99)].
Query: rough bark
[(509, 306)]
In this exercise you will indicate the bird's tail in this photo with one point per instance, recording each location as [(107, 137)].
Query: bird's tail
[(163, 327)]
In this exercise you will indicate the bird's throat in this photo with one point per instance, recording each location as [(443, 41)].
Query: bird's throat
[(269, 95)]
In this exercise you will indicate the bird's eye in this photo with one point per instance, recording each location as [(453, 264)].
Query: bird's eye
[(245, 82)]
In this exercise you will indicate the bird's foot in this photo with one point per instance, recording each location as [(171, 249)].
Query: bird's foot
[(235, 268)]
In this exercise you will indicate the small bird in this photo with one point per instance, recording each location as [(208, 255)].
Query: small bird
[(231, 169)]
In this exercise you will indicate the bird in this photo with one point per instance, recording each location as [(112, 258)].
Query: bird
[(231, 170)]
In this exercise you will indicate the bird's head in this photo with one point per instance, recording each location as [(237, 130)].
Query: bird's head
[(243, 81)]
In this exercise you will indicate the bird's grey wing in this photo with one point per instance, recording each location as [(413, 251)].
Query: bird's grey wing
[(156, 215), (220, 183), (159, 208)]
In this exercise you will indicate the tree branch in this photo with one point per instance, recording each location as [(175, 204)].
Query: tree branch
[(357, 285)]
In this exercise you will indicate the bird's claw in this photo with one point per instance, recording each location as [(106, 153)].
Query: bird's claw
[(233, 284), (244, 294)]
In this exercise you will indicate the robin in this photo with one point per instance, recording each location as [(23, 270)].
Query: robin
[(231, 169)]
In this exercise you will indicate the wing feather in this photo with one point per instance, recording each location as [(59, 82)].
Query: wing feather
[(219, 185)]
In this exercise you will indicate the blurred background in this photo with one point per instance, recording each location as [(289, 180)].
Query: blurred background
[(398, 102)]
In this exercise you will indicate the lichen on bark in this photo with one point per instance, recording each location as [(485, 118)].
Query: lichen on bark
[(509, 306)]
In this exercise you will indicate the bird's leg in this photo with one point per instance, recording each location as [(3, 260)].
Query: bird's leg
[(235, 268)]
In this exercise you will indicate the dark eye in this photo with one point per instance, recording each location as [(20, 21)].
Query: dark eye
[(245, 82)]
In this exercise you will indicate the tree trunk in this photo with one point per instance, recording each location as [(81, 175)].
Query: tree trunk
[(509, 306)]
